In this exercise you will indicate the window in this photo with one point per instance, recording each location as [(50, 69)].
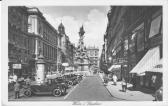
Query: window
[(140, 40), (155, 26), (140, 37)]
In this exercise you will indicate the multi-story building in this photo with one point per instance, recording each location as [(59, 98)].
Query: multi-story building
[(102, 62), (35, 46), (65, 48), (93, 54), (18, 41), (43, 41), (134, 43)]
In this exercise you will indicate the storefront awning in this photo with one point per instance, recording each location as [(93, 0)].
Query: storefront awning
[(114, 67), (69, 68), (150, 59), (157, 68)]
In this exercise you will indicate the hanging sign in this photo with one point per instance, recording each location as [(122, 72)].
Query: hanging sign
[(17, 66)]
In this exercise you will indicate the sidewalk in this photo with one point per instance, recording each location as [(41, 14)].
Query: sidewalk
[(11, 94), (130, 95)]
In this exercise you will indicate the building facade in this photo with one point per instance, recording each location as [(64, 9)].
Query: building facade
[(43, 41), (35, 47), (134, 38), (19, 56), (93, 54), (66, 50)]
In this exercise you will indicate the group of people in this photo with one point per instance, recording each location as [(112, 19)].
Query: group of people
[(18, 84), (112, 78), (115, 79)]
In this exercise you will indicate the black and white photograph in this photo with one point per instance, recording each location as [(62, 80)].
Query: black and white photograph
[(86, 54)]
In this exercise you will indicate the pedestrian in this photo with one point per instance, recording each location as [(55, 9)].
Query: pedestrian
[(105, 78), (114, 79), (15, 78), (134, 82), (17, 89), (124, 85), (28, 81), (153, 81)]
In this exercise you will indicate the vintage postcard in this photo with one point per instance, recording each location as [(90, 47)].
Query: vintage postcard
[(84, 52)]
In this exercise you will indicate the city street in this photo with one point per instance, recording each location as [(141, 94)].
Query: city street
[(90, 89), (41, 97), (85, 53)]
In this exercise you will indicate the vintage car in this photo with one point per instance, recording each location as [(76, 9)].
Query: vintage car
[(51, 87), (62, 80), (71, 78)]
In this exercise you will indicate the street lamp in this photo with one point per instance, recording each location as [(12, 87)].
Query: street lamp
[(110, 58)]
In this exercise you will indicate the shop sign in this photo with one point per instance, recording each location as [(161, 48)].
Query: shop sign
[(17, 66), (120, 61)]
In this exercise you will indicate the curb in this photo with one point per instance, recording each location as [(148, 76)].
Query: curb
[(110, 92), (128, 99)]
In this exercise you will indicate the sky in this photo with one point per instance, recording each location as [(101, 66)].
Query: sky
[(93, 19)]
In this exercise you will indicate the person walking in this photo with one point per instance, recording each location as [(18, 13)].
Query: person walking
[(115, 79), (105, 78), (28, 81), (134, 82), (17, 89), (124, 85), (15, 78)]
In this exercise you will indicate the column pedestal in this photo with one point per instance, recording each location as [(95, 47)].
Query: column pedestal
[(40, 72)]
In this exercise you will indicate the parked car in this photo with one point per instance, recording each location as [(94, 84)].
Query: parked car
[(71, 78), (52, 87), (159, 94), (61, 80)]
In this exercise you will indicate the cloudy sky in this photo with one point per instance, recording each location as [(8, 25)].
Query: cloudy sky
[(93, 18)]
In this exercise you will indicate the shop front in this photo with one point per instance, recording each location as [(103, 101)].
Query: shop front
[(116, 69), (145, 71)]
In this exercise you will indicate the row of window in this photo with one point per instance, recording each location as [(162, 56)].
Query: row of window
[(49, 51), (136, 41), (48, 33)]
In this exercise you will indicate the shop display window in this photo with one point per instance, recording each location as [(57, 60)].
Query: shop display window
[(155, 26)]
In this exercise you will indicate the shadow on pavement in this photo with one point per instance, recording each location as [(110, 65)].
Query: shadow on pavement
[(141, 89)]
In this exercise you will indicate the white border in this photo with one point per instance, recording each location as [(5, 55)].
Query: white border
[(4, 43)]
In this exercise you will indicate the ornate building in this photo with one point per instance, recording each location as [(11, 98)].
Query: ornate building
[(35, 46), (43, 42), (133, 43), (66, 49), (93, 54)]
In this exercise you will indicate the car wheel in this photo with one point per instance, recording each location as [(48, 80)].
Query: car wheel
[(27, 93), (70, 83), (57, 92)]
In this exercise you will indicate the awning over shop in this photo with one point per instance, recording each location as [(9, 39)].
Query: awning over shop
[(69, 68), (114, 67), (157, 68), (150, 59), (53, 76)]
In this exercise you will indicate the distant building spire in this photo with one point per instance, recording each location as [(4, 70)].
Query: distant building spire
[(81, 31), (61, 28)]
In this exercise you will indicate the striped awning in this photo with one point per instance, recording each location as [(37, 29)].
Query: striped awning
[(150, 59), (157, 68)]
